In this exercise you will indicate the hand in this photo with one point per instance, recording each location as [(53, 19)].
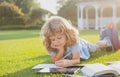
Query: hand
[(63, 63)]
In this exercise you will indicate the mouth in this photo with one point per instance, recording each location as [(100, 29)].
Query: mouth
[(57, 45)]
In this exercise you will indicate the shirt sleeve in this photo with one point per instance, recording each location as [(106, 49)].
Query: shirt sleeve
[(75, 48), (52, 53)]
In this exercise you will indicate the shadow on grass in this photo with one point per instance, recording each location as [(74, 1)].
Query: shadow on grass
[(28, 72), (96, 55), (44, 58)]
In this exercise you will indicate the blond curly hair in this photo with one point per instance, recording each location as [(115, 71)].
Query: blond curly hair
[(55, 25)]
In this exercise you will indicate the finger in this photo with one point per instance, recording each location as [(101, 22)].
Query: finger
[(59, 61), (59, 64)]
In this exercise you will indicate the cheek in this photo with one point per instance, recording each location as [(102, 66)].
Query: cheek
[(64, 41), (52, 42)]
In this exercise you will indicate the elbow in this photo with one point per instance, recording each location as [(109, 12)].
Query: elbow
[(78, 60)]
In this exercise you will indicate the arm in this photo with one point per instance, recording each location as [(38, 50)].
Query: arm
[(75, 59), (58, 56)]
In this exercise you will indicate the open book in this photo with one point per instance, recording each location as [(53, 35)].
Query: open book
[(40, 66), (113, 62), (116, 66), (100, 69), (52, 68), (59, 70)]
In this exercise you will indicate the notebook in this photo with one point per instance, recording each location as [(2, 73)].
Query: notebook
[(58, 70)]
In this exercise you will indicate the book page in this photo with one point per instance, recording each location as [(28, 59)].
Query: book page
[(58, 70), (46, 70), (115, 66), (114, 62), (97, 69), (39, 66)]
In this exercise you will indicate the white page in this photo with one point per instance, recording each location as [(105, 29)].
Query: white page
[(115, 66), (95, 69), (114, 62), (39, 66), (44, 70)]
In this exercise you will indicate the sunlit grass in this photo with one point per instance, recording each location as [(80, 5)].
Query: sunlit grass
[(21, 50)]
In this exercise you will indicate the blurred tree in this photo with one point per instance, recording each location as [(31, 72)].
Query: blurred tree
[(14, 13), (37, 14), (69, 11), (36, 17), (10, 14), (25, 5), (9, 10)]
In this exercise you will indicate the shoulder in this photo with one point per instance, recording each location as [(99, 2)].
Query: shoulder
[(78, 43), (75, 47), (82, 41)]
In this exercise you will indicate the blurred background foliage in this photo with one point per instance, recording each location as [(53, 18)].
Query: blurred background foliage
[(28, 14), (21, 14)]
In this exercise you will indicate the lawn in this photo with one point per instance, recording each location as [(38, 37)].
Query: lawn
[(20, 50)]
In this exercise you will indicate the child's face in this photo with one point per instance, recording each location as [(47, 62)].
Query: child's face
[(58, 41)]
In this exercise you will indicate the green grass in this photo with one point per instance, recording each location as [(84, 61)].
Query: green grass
[(21, 50)]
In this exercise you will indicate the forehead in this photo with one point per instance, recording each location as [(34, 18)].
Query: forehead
[(56, 35)]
